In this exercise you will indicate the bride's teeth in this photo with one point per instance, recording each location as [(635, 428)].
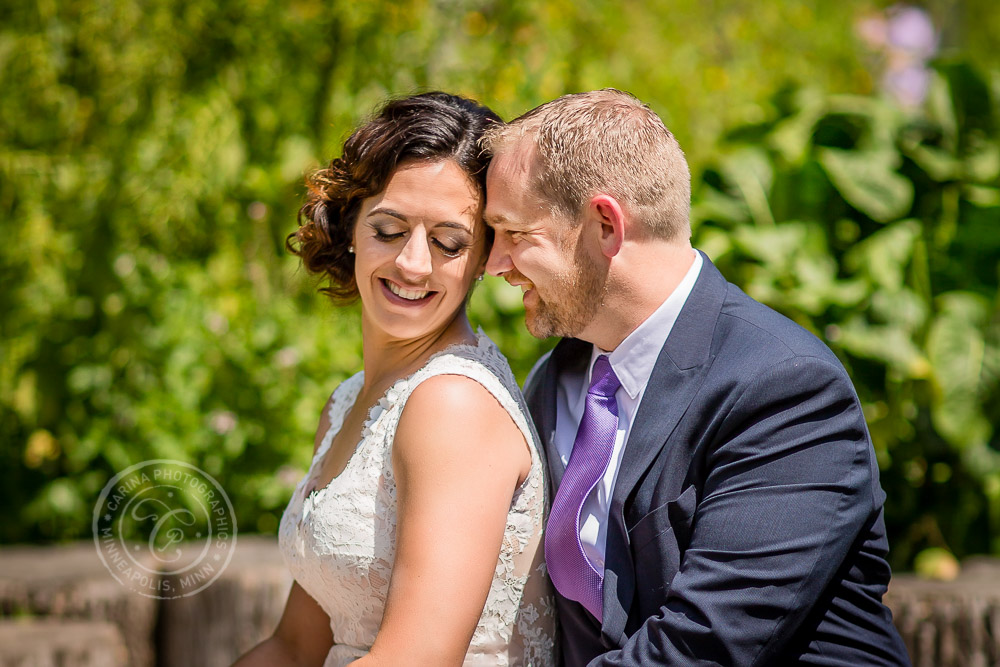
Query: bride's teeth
[(409, 295)]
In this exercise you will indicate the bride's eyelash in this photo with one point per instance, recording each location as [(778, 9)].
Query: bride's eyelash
[(385, 236), (446, 249), (451, 251)]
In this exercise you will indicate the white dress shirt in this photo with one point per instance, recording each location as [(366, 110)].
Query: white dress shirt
[(632, 361)]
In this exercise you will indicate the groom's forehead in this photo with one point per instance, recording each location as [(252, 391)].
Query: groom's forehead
[(516, 161), (498, 219), (514, 206)]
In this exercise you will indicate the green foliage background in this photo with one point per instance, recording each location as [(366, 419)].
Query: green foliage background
[(151, 161)]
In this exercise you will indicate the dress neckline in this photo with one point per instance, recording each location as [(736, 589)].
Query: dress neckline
[(375, 411)]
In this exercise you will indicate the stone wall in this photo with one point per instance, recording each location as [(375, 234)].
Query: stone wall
[(65, 609), (950, 624), (60, 607)]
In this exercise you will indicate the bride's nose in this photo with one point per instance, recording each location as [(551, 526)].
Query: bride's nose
[(414, 260)]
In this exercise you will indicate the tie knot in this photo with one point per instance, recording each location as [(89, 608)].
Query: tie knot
[(603, 380)]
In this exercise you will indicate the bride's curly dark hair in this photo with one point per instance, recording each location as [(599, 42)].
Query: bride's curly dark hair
[(429, 127)]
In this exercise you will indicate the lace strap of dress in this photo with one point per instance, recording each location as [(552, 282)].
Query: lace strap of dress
[(341, 400)]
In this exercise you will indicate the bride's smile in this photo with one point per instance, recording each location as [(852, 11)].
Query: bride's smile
[(416, 256)]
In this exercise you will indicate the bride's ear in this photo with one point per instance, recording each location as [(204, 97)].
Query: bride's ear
[(607, 213), (481, 266)]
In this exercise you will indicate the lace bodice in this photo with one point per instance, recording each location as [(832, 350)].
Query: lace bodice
[(338, 541)]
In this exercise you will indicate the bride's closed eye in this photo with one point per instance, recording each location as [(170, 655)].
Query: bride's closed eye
[(451, 247), (385, 236), (386, 230)]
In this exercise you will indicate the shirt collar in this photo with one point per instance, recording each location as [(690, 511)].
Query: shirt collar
[(633, 360)]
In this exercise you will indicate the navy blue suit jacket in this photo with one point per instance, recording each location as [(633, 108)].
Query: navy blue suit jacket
[(746, 522)]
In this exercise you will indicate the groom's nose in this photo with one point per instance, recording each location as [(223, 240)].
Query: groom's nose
[(499, 261)]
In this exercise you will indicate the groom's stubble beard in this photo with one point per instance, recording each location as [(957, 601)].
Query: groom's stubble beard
[(570, 301)]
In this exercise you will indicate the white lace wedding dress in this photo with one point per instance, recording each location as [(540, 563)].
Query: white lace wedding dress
[(339, 543)]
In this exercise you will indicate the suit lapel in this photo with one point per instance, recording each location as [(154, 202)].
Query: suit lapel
[(541, 398), (680, 369)]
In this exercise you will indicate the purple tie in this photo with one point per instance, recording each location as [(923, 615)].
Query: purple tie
[(572, 573)]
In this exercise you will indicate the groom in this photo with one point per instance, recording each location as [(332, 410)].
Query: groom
[(716, 493)]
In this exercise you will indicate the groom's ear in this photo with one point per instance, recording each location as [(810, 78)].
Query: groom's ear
[(607, 213)]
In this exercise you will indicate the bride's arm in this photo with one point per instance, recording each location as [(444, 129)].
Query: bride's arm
[(457, 459), (302, 637)]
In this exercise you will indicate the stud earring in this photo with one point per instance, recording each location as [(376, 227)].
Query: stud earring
[(350, 249), (479, 277)]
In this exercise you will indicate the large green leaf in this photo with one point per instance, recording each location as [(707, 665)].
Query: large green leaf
[(791, 137), (982, 162), (884, 255), (956, 347), (795, 269), (971, 97), (868, 181), (937, 163), (750, 171), (890, 344)]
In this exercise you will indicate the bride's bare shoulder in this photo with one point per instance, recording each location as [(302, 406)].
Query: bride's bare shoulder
[(454, 417)]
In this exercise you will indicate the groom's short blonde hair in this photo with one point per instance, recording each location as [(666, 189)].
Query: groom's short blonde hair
[(604, 142)]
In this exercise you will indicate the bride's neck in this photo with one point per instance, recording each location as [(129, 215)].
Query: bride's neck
[(387, 359)]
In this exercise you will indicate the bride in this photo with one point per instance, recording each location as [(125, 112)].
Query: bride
[(415, 536)]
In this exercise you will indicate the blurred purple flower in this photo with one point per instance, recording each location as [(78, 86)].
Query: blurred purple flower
[(910, 29), (909, 85), (906, 38)]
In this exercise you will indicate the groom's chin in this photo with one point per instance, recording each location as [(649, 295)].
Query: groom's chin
[(539, 327), (534, 329), (542, 324)]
